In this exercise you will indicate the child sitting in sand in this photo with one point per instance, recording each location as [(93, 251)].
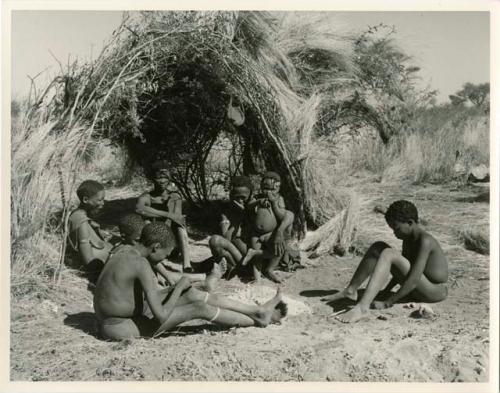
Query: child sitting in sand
[(230, 244), (164, 203), (131, 226), (85, 236), (421, 269), (266, 214), (128, 303)]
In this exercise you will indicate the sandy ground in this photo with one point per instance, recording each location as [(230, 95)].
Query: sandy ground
[(53, 337)]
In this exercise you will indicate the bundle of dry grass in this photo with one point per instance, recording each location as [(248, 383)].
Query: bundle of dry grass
[(338, 233), (475, 240)]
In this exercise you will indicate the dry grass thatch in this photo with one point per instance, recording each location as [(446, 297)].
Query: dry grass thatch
[(165, 80), (162, 86)]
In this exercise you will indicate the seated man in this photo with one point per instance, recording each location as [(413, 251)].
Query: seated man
[(268, 221), (421, 269), (164, 203), (131, 226), (85, 237), (128, 303)]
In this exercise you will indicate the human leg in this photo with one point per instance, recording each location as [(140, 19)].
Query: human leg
[(221, 247), (389, 258), (182, 237), (201, 310), (363, 271), (269, 312), (254, 250)]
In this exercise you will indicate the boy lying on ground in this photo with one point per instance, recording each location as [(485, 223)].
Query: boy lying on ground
[(85, 237), (128, 303), (421, 269), (131, 226)]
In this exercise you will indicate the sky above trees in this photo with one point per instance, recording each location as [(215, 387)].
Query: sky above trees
[(451, 48)]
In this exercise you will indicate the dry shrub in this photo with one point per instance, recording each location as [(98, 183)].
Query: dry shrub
[(475, 239), (427, 157), (46, 164)]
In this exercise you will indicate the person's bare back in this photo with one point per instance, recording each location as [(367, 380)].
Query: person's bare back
[(436, 267), (118, 294)]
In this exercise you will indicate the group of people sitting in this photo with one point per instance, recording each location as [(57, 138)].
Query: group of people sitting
[(147, 284)]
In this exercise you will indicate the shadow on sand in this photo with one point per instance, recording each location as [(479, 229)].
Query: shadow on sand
[(87, 323), (84, 321), (336, 305)]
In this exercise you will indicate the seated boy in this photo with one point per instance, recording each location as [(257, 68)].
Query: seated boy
[(421, 269), (164, 203), (230, 244), (128, 303), (131, 226), (85, 236), (268, 218)]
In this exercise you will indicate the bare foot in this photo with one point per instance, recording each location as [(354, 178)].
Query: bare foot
[(272, 276), (215, 275), (346, 293), (354, 315), (256, 274), (272, 311), (248, 257)]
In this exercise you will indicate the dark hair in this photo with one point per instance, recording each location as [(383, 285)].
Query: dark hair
[(160, 165), (88, 189), (401, 211), (158, 232), (271, 175), (131, 225), (241, 181)]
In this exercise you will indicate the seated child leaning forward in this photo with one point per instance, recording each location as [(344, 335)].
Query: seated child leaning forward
[(85, 237), (131, 226), (230, 243), (269, 220), (164, 203), (128, 303), (421, 270)]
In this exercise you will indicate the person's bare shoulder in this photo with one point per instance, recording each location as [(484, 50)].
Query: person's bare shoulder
[(429, 241), (127, 260), (77, 218)]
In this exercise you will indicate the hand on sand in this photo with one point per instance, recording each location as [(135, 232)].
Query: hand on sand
[(381, 305)]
